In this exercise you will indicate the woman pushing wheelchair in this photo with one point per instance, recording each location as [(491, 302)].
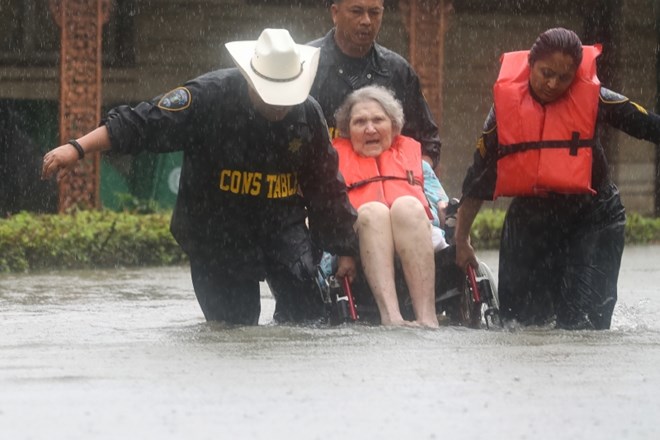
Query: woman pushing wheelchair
[(563, 235)]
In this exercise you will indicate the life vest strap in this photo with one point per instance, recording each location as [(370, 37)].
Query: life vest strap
[(410, 178), (572, 145)]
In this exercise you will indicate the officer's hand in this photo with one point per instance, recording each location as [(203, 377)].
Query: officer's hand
[(465, 255), (62, 158), (346, 268)]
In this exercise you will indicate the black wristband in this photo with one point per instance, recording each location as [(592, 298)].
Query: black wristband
[(78, 147)]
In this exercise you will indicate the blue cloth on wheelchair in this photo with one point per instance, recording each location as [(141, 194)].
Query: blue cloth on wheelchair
[(434, 191), (327, 264)]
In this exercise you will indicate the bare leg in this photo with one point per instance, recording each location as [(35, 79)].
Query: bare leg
[(411, 231), (377, 253)]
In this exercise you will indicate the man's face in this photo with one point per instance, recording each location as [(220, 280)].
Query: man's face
[(357, 25), (273, 113)]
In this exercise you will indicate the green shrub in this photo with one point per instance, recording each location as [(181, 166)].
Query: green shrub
[(642, 230), (86, 239), (487, 228)]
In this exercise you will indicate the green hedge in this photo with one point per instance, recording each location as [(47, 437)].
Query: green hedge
[(642, 230), (487, 228), (91, 239), (86, 239)]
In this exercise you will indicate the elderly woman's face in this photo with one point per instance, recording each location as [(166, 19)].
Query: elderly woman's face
[(551, 76), (370, 129)]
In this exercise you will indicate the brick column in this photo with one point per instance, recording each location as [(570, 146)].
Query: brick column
[(81, 23), (426, 22)]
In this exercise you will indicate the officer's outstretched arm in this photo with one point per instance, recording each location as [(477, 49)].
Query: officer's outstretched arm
[(64, 157)]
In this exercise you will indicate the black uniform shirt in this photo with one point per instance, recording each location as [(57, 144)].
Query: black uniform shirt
[(613, 109), (338, 75), (241, 174)]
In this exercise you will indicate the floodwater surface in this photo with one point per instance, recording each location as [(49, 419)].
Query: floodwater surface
[(126, 354)]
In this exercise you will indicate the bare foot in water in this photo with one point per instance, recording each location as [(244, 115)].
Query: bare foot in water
[(432, 323), (399, 323)]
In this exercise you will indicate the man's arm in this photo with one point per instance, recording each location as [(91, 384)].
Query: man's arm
[(420, 123), (331, 216)]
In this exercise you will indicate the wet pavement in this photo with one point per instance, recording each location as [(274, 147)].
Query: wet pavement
[(126, 354)]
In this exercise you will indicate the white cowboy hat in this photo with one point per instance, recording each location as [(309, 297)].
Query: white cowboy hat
[(281, 71)]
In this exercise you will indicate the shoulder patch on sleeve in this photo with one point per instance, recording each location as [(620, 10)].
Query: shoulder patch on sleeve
[(610, 97), (175, 100), (491, 123)]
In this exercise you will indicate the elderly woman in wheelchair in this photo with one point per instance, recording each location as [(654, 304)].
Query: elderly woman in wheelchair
[(405, 260)]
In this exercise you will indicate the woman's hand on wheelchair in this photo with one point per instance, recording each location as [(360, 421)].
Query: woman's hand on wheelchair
[(465, 255)]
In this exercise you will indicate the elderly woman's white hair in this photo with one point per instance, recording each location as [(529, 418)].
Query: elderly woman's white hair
[(384, 97)]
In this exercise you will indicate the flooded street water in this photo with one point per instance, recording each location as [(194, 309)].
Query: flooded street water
[(126, 354)]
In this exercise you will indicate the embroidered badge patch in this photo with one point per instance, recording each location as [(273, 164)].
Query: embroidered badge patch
[(610, 97), (175, 100), (295, 145), (481, 147)]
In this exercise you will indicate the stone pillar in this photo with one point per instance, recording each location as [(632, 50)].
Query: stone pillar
[(81, 23), (426, 22)]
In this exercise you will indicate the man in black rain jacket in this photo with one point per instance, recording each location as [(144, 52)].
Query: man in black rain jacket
[(351, 59), (258, 164)]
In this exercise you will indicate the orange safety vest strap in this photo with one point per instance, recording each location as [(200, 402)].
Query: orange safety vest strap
[(572, 145), (410, 178)]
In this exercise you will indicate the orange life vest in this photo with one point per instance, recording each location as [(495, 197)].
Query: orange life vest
[(396, 172), (545, 148)]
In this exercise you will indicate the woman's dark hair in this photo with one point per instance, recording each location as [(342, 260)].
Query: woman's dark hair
[(557, 40)]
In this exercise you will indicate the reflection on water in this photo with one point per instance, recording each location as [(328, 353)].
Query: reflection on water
[(126, 353)]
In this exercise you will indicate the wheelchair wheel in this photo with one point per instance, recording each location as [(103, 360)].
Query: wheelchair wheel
[(490, 304), (484, 272), (458, 306), (467, 311)]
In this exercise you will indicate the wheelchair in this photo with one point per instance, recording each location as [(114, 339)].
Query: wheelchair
[(463, 299)]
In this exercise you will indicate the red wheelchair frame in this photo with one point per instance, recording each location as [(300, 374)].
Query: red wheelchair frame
[(462, 298), (468, 300)]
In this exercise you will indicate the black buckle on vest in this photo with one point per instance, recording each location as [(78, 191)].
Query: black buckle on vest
[(575, 143), (410, 176)]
